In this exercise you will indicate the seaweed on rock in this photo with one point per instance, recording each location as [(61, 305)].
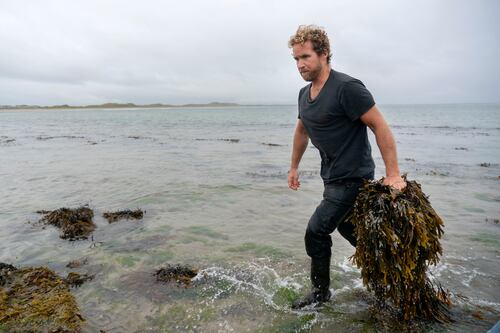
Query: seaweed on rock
[(36, 300), (76, 280), (74, 223), (180, 274), (123, 214), (398, 236)]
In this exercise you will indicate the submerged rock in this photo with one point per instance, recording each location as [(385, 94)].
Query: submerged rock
[(398, 236), (180, 274), (74, 223), (36, 300), (5, 272), (6, 140), (77, 263), (76, 280), (123, 214), (271, 144)]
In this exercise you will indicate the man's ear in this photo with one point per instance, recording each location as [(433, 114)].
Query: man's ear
[(325, 56)]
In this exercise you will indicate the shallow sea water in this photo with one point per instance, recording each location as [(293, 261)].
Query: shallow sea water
[(213, 184)]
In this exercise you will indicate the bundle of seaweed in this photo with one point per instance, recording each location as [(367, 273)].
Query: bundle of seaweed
[(180, 274), (74, 223), (36, 300), (123, 214), (398, 236)]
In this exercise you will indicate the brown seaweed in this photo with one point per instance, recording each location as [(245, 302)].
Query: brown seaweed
[(180, 274), (398, 236), (76, 280), (123, 214), (36, 300), (75, 223)]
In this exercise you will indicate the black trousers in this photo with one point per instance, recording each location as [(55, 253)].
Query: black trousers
[(338, 200)]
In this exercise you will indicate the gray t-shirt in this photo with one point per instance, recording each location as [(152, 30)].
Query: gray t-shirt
[(333, 125)]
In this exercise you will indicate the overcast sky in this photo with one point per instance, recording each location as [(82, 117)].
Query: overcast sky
[(89, 52)]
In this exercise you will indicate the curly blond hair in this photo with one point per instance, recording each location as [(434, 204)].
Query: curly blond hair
[(316, 35)]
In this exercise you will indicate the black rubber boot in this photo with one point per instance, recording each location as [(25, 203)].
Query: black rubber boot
[(320, 280)]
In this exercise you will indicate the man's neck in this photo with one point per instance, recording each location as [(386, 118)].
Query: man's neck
[(319, 82)]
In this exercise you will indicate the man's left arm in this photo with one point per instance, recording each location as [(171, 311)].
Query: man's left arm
[(374, 119)]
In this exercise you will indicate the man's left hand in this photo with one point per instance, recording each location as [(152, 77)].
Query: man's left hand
[(395, 181)]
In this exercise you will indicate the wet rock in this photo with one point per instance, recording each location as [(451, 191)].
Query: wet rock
[(493, 221), (37, 300), (230, 140), (271, 144), (265, 174), (76, 280), (140, 137), (77, 263), (485, 165), (5, 272), (123, 214), (75, 223), (436, 173), (44, 137), (227, 140), (5, 140), (182, 275)]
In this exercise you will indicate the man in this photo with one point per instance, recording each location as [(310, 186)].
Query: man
[(334, 113)]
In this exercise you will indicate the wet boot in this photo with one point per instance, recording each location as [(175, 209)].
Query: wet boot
[(320, 280)]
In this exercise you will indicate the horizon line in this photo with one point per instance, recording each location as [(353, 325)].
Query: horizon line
[(111, 105)]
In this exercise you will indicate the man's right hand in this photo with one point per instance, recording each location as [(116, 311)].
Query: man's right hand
[(293, 179)]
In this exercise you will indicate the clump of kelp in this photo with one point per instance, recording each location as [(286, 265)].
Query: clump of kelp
[(123, 214), (75, 223), (176, 273), (398, 236), (76, 280), (36, 300)]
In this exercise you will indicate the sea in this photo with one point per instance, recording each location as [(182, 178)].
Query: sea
[(213, 185)]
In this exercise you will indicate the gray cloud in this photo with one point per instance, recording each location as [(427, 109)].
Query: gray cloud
[(85, 52)]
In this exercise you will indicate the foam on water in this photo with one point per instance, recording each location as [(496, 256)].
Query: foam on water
[(253, 278)]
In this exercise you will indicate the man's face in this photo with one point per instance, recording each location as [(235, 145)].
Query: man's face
[(309, 63)]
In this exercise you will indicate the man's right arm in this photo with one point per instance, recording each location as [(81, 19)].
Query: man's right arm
[(300, 142)]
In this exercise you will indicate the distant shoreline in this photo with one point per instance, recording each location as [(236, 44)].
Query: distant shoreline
[(114, 106), (192, 105)]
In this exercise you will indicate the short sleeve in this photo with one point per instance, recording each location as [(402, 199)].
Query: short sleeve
[(356, 99), (301, 92)]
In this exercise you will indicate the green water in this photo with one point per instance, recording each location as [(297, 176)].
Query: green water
[(223, 207)]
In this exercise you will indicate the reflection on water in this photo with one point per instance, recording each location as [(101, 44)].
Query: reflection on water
[(213, 185)]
